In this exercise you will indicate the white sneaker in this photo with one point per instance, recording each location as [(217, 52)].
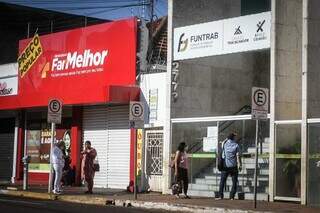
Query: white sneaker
[(56, 192)]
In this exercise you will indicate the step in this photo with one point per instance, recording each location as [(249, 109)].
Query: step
[(247, 196), (246, 170), (206, 187), (253, 161), (246, 163), (241, 182), (247, 189), (252, 165), (264, 172), (217, 180), (252, 150), (201, 193), (260, 177)]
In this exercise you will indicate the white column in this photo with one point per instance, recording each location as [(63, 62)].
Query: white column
[(272, 101), (304, 132), (167, 121), (15, 148)]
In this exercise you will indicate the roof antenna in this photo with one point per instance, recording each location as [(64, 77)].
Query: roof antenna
[(36, 31)]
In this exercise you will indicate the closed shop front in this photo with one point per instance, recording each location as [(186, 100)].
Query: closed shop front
[(38, 138), (107, 128), (6, 148), (95, 80)]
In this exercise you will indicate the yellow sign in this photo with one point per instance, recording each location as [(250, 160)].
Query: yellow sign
[(29, 55), (139, 150)]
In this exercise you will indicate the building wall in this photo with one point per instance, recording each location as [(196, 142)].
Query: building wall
[(219, 85), (286, 101), (288, 60), (313, 60), (151, 82), (216, 85), (313, 102)]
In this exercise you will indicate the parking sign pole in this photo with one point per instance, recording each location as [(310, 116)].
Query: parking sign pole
[(135, 165), (53, 129), (136, 118), (256, 165)]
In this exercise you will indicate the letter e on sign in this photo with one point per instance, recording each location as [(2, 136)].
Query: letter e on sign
[(260, 103), (136, 111), (54, 111)]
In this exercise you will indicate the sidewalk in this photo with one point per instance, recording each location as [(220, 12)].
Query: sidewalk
[(156, 201)]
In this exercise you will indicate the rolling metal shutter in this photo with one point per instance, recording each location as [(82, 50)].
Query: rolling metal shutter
[(6, 155), (119, 147), (108, 130), (95, 130)]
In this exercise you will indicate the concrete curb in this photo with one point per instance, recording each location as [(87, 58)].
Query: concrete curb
[(103, 201), (36, 195)]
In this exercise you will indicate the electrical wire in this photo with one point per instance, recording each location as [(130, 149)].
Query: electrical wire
[(66, 20), (104, 10)]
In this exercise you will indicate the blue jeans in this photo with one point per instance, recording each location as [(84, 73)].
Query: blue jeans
[(58, 175), (233, 172)]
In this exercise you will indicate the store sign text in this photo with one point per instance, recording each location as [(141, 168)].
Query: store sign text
[(75, 60), (9, 86), (29, 55), (4, 90), (244, 33)]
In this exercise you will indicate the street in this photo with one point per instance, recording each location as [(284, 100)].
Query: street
[(10, 204)]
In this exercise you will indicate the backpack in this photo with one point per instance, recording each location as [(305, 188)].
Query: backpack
[(221, 160)]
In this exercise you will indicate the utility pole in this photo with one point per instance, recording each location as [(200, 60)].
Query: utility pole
[(143, 9), (151, 25), (151, 10)]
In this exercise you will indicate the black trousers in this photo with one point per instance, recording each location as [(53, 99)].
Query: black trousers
[(233, 172), (183, 180)]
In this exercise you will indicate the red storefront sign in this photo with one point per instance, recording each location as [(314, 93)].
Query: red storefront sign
[(81, 66)]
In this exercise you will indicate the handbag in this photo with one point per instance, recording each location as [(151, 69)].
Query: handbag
[(221, 160), (176, 187), (96, 165)]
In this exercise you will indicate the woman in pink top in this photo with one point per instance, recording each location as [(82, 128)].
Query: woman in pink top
[(181, 169)]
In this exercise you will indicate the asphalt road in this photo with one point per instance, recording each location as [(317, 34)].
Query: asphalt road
[(10, 204)]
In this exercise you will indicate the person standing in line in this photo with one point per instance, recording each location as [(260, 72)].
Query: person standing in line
[(181, 169), (232, 165), (87, 166), (58, 164)]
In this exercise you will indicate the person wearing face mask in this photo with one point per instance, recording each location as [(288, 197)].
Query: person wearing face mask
[(181, 169), (88, 170)]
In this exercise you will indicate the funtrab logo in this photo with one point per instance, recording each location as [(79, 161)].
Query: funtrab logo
[(197, 41), (183, 44)]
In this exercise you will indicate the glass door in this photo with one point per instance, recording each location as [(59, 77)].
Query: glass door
[(313, 197), (288, 162)]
